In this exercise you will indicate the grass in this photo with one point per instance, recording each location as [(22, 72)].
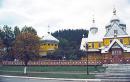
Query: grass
[(58, 71), (51, 68)]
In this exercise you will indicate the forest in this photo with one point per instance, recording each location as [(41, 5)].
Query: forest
[(69, 44)]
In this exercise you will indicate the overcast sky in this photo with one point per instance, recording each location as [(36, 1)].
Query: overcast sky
[(61, 14)]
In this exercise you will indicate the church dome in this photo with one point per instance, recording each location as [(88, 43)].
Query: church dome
[(93, 28), (48, 38)]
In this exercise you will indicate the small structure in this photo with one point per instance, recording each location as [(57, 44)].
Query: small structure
[(110, 47), (48, 44)]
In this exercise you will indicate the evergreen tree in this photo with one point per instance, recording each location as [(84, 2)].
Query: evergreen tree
[(16, 31), (29, 30), (69, 44), (7, 36), (2, 51)]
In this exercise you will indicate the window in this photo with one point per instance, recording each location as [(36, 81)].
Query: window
[(115, 32), (99, 44), (92, 45), (116, 52), (121, 40), (110, 40), (55, 44)]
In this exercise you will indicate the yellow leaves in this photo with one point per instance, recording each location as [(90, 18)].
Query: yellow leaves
[(27, 42)]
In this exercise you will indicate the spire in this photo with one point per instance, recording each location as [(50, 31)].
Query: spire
[(93, 19), (93, 28), (114, 18), (93, 22), (114, 11), (48, 29)]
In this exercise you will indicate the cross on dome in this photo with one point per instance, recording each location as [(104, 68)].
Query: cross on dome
[(93, 19), (114, 11)]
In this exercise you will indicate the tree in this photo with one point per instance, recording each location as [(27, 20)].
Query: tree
[(26, 47), (56, 55), (7, 36), (2, 51), (16, 31), (69, 43), (29, 30)]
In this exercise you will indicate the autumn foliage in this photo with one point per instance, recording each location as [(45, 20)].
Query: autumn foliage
[(26, 46)]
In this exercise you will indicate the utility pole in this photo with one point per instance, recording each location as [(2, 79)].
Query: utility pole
[(87, 57)]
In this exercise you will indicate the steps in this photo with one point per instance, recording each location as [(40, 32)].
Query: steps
[(115, 71)]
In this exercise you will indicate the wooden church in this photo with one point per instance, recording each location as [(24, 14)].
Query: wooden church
[(113, 46)]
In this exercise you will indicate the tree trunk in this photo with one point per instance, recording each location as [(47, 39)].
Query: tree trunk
[(1, 63)]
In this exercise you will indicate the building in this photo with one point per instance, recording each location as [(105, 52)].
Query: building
[(48, 44), (113, 46)]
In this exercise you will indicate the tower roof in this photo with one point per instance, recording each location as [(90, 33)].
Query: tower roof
[(49, 38), (115, 25), (94, 33), (93, 28)]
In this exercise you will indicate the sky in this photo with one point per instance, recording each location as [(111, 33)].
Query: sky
[(62, 14)]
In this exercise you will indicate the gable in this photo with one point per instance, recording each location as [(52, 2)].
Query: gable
[(116, 45)]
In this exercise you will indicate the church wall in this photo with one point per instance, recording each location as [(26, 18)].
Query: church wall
[(126, 41), (48, 46), (106, 41), (45, 47), (123, 40), (126, 55), (90, 44), (93, 57), (95, 45), (107, 56)]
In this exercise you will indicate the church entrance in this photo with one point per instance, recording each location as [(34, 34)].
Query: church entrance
[(117, 55)]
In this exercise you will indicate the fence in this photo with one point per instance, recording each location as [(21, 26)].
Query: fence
[(64, 62), (53, 62)]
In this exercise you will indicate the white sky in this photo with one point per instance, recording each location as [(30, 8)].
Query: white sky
[(61, 14)]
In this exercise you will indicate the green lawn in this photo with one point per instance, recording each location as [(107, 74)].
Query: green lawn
[(51, 68), (58, 71)]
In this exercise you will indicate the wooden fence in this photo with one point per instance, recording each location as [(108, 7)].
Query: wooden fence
[(64, 62), (53, 62)]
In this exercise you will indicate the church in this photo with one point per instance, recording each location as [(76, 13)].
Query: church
[(113, 46), (48, 44)]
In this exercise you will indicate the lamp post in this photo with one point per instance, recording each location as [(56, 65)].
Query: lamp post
[(86, 47)]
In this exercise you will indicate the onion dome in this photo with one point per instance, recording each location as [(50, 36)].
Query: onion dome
[(48, 38)]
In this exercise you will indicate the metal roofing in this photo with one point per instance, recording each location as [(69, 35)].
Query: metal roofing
[(49, 37)]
